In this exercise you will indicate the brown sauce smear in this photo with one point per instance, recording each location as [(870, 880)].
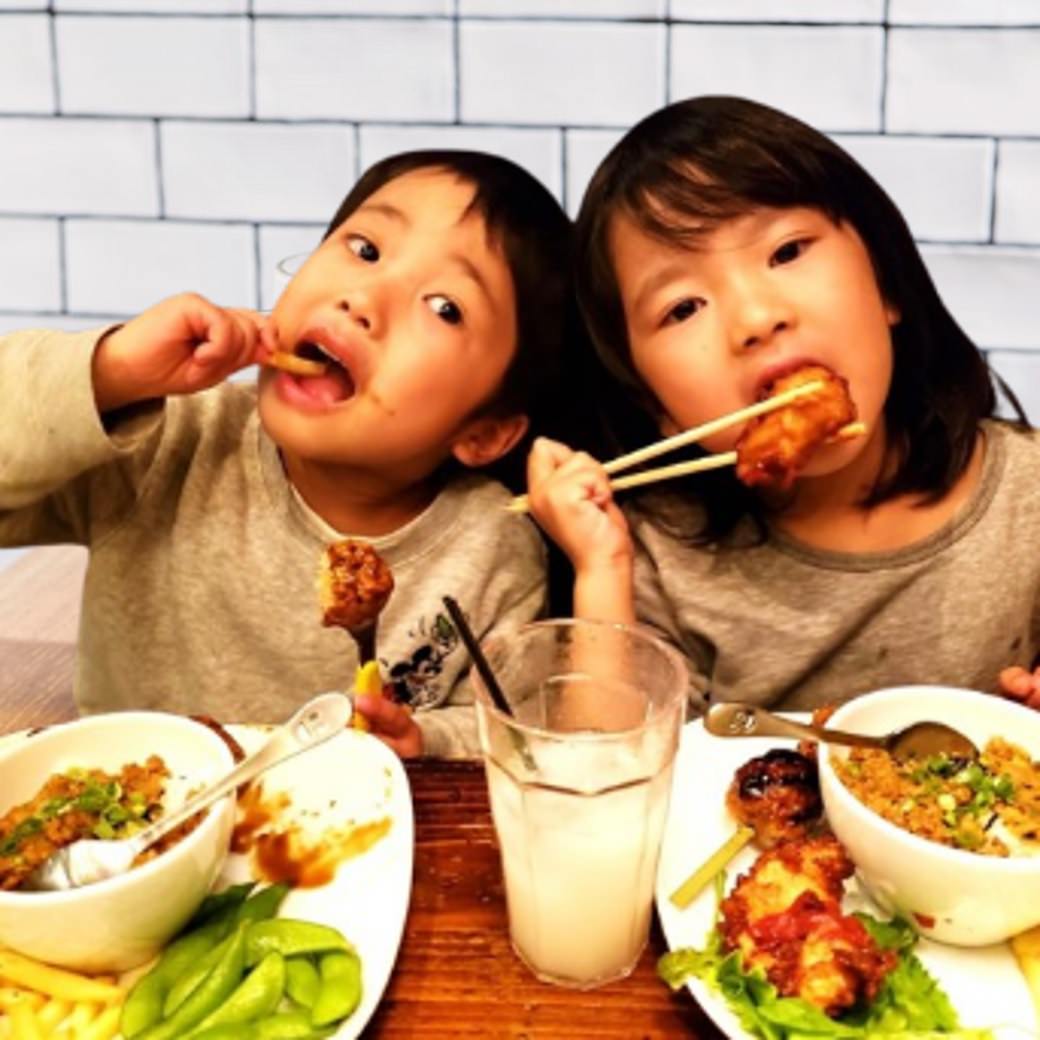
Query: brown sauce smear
[(282, 855)]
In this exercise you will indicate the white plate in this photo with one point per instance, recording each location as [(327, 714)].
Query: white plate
[(984, 984), (351, 779)]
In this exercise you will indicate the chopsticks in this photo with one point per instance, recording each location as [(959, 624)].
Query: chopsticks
[(681, 440)]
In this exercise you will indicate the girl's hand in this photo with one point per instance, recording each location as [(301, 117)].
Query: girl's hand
[(392, 723), (1021, 685), (570, 497), (179, 346)]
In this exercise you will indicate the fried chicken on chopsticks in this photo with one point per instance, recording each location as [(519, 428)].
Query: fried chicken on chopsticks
[(775, 447), (784, 916)]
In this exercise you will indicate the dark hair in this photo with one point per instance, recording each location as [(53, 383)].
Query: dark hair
[(525, 220), (696, 163)]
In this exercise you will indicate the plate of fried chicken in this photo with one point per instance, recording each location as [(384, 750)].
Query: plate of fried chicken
[(790, 902)]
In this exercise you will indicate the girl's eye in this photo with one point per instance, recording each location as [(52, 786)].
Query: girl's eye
[(447, 310), (362, 248), (790, 251), (683, 310)]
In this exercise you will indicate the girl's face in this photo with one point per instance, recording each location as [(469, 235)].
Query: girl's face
[(761, 294), (415, 305)]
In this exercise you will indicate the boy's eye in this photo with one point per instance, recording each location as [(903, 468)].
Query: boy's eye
[(447, 310), (790, 251), (683, 310), (362, 248)]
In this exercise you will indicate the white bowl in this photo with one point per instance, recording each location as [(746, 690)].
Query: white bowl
[(950, 895), (122, 922)]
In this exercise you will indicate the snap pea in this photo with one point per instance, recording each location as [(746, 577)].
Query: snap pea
[(289, 1025), (263, 904), (277, 1027), (256, 996), (228, 1031), (190, 979), (340, 991), (209, 994), (290, 937), (302, 981), (144, 1003), (217, 902)]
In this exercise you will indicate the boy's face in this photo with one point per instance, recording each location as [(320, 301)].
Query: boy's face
[(760, 295), (415, 307)]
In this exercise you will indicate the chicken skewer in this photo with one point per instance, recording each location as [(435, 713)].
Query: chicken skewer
[(354, 585), (774, 797)]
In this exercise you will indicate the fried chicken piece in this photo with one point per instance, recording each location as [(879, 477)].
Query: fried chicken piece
[(778, 795), (775, 447), (784, 916), (354, 584)]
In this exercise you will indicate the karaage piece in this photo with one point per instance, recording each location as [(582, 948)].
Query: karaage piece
[(778, 795), (354, 583), (784, 916), (775, 447)]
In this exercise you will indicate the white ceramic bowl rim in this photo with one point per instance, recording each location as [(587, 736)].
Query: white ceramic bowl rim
[(145, 870), (1012, 865)]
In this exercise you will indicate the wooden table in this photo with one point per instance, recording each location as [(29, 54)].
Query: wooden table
[(456, 975)]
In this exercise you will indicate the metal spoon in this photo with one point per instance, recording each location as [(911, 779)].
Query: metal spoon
[(89, 860), (919, 740)]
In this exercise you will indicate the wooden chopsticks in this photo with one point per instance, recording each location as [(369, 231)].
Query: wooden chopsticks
[(681, 440)]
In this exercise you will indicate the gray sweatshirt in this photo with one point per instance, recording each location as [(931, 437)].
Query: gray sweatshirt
[(789, 626), (200, 593)]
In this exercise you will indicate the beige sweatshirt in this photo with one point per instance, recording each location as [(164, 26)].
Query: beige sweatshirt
[(793, 627), (200, 591)]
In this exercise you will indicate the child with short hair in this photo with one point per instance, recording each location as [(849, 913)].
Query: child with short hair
[(435, 302), (721, 245)]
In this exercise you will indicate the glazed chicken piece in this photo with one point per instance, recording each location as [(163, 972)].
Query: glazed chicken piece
[(354, 584), (778, 795), (775, 447), (784, 916)]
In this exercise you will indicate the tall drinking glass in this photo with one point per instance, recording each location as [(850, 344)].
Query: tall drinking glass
[(579, 777)]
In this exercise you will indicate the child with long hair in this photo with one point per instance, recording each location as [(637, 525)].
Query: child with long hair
[(434, 304), (721, 245)]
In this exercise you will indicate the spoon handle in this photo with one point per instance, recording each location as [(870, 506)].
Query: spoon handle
[(748, 720), (320, 718)]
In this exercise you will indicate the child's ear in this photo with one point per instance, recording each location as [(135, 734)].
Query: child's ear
[(487, 439)]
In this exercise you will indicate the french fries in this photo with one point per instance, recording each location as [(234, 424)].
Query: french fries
[(1026, 947), (41, 1002), (300, 366)]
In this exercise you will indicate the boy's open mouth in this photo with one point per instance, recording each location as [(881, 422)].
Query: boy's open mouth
[(334, 384)]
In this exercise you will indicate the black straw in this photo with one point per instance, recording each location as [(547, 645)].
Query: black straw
[(462, 627)]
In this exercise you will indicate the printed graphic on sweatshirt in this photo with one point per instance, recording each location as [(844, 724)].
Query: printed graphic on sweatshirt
[(416, 679)]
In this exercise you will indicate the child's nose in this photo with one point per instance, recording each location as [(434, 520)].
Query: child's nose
[(757, 318), (359, 304)]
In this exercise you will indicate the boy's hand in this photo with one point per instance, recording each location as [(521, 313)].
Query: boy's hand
[(1021, 685), (392, 723), (179, 346), (570, 497)]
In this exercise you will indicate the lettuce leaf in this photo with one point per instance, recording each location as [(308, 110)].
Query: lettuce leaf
[(910, 1005)]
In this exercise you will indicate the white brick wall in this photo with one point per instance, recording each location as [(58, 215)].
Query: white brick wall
[(26, 69), (152, 146)]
